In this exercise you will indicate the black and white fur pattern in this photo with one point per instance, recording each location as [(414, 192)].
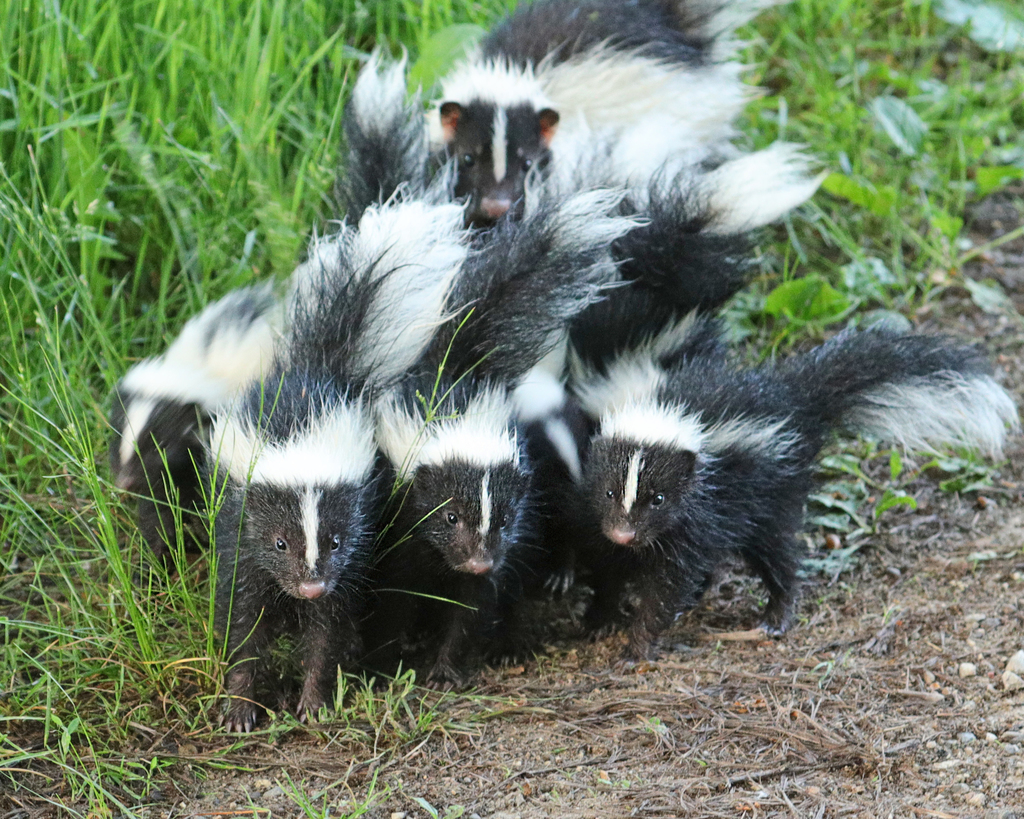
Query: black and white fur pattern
[(386, 148), (303, 477), (466, 509), (162, 406), (695, 461), (654, 78)]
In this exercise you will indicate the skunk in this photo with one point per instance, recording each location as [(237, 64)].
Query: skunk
[(386, 147), (694, 460), (465, 500), (303, 482), (660, 70), (162, 406)]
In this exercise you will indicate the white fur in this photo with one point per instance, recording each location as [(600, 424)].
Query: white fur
[(719, 21), (758, 188), (629, 379), (948, 409), (378, 97), (655, 424), (336, 448), (482, 435), (499, 145), (420, 249), (539, 395), (753, 434), (632, 481), (562, 439), (136, 417), (311, 525), (485, 504), (493, 81)]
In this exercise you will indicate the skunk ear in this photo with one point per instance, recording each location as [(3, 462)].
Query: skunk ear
[(450, 113), (548, 119)]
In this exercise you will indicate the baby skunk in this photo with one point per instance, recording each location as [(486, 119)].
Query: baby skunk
[(162, 406), (466, 506), (386, 148), (303, 477), (656, 68), (695, 461)]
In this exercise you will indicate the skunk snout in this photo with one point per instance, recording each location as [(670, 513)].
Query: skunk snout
[(495, 207), (125, 480), (480, 564), (622, 534), (312, 589)]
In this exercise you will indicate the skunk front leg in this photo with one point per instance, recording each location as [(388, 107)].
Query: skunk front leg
[(331, 641), (248, 639), (445, 674)]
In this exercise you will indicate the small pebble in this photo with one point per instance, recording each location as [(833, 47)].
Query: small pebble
[(1011, 681), (832, 541), (928, 677), (968, 669), (274, 792), (262, 784), (397, 815), (990, 737), (966, 737), (983, 502), (1016, 663), (975, 800)]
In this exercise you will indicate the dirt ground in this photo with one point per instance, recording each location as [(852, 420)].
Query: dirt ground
[(885, 700)]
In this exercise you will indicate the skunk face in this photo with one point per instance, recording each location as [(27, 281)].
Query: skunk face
[(496, 147), (473, 516), (309, 539), (148, 431), (637, 491)]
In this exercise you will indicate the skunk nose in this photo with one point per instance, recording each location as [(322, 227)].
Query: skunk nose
[(312, 589), (495, 208), (622, 535), (478, 565)]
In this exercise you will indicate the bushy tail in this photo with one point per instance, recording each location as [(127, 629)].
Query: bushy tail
[(715, 21), (918, 391), (385, 140), (367, 302), (525, 282)]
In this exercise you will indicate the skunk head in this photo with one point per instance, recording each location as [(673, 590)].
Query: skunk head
[(308, 538), (472, 515), (149, 432), (497, 124), (637, 490), (302, 478)]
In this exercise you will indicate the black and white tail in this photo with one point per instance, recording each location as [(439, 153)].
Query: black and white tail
[(524, 283), (920, 392), (386, 145)]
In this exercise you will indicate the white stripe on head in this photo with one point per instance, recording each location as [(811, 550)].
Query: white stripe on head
[(499, 145), (485, 504), (654, 424), (632, 480), (311, 525), (135, 419)]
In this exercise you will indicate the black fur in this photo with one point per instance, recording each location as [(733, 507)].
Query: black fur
[(742, 496), (558, 30)]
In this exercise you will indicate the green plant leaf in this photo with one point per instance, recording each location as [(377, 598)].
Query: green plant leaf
[(879, 200), (993, 26), (895, 464), (992, 178), (440, 51), (808, 299), (901, 122), (947, 224), (990, 296), (891, 498)]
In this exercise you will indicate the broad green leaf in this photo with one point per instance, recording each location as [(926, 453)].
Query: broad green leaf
[(947, 224), (895, 464), (901, 122), (838, 522), (989, 296), (440, 51), (990, 179), (868, 278), (992, 25), (894, 498), (879, 201), (808, 299)]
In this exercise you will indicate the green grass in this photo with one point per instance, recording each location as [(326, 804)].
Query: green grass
[(156, 155)]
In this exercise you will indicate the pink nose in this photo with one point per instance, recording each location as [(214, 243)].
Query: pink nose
[(495, 208), (312, 589), (621, 535), (478, 565)]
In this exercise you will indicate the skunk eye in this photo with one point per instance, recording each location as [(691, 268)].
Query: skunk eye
[(657, 500), (335, 543), (610, 493), (468, 161), (527, 164), (504, 521), (281, 545), (453, 518)]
